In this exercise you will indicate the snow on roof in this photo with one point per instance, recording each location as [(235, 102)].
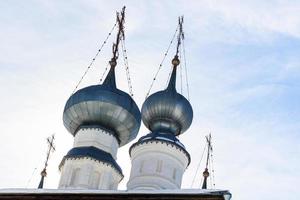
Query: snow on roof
[(77, 194), (82, 191)]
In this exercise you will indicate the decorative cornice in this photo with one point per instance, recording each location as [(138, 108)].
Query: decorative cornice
[(92, 153), (98, 128), (176, 146), (90, 158)]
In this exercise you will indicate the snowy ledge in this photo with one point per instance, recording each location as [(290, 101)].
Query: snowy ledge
[(83, 191), (74, 194)]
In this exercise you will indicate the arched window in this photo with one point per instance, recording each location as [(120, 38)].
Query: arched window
[(159, 166), (174, 173), (74, 177), (142, 166), (95, 180)]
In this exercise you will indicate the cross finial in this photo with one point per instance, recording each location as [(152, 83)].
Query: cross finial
[(50, 141), (209, 150), (110, 78), (175, 61), (120, 34), (180, 36)]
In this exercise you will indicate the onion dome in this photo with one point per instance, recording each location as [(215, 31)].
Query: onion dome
[(166, 110), (106, 106)]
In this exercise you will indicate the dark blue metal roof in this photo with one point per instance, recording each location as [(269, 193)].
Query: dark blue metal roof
[(106, 106), (167, 110), (94, 153), (155, 135), (104, 93)]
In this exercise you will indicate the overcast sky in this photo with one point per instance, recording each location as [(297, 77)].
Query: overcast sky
[(244, 77)]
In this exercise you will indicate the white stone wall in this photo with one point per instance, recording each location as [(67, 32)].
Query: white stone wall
[(98, 138), (87, 173), (156, 165)]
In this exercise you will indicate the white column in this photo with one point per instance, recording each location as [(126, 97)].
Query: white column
[(97, 137), (78, 173), (157, 165)]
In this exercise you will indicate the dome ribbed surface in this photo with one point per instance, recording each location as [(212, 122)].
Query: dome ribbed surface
[(101, 105), (167, 110)]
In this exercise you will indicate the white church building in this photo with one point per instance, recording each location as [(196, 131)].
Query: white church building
[(103, 118)]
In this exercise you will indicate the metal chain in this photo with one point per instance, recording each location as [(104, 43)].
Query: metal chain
[(213, 170), (94, 58), (186, 74), (198, 166), (103, 74), (169, 76), (125, 58), (210, 177), (160, 65), (180, 72), (34, 170), (180, 65), (201, 182)]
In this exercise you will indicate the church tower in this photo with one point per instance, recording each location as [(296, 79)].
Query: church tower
[(159, 159), (101, 118)]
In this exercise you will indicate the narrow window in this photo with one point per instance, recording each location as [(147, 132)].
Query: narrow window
[(95, 180), (75, 177), (142, 166), (174, 173), (159, 166)]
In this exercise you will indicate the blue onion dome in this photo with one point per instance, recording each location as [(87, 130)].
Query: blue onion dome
[(167, 110), (105, 106)]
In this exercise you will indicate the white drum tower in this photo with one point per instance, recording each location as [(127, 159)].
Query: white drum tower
[(101, 118), (159, 159)]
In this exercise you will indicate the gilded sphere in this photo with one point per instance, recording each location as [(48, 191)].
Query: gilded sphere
[(103, 106), (167, 111)]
